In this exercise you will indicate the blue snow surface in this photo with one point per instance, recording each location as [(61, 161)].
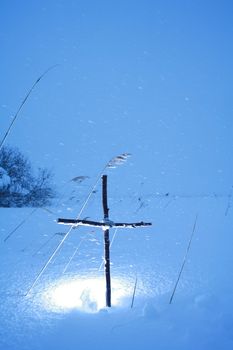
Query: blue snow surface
[(152, 78)]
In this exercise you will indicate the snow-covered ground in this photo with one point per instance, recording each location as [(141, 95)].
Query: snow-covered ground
[(65, 309)]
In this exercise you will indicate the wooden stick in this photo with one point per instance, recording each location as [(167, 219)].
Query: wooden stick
[(106, 242), (104, 225)]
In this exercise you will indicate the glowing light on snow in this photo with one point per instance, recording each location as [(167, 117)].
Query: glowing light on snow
[(86, 295)]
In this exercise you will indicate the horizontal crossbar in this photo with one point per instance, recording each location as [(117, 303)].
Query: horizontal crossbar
[(103, 225)]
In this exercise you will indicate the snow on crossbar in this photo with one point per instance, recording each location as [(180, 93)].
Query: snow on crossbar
[(104, 225)]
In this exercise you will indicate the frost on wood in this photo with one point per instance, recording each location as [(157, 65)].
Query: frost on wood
[(104, 225)]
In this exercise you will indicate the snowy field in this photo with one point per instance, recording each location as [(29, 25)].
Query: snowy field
[(66, 307)]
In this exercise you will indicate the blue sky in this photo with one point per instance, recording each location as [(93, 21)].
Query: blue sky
[(148, 77)]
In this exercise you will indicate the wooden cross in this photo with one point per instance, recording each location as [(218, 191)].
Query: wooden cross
[(106, 224)]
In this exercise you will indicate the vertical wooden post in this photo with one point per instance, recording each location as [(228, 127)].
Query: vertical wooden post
[(106, 242)]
